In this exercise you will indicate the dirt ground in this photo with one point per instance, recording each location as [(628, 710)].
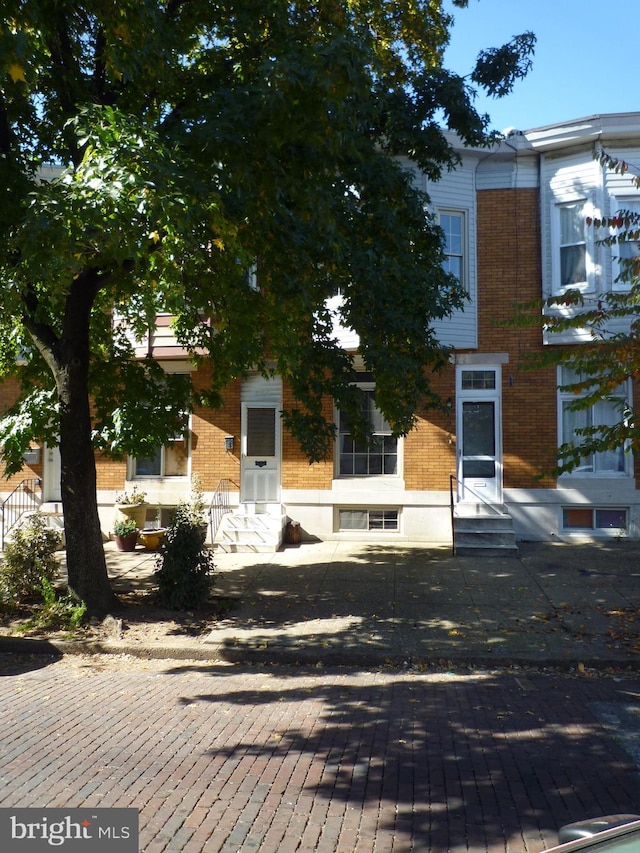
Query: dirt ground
[(139, 622)]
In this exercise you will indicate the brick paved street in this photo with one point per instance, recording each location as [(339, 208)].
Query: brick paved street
[(224, 758)]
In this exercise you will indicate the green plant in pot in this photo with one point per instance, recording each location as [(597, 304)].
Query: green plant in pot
[(125, 533)]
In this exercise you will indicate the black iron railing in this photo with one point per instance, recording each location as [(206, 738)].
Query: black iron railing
[(452, 479), (26, 497)]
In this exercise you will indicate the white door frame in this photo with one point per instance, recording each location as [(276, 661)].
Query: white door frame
[(259, 474), (479, 486), (51, 471)]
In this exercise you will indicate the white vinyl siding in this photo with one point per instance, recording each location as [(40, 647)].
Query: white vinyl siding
[(455, 194), (568, 195)]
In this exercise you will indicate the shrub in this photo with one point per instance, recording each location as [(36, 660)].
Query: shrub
[(29, 559), (184, 569), (58, 613)]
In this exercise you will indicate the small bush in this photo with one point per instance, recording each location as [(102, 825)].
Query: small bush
[(58, 613), (29, 559), (184, 569)]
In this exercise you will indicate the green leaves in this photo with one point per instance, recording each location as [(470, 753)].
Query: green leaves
[(498, 69), (232, 164)]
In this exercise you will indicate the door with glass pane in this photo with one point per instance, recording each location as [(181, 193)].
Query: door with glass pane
[(479, 443), (51, 474), (260, 476)]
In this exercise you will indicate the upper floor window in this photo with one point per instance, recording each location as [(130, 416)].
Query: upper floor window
[(378, 455), (452, 224), (572, 244), (606, 412), (626, 253), (170, 460)]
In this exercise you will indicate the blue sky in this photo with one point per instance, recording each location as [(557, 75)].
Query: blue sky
[(586, 62)]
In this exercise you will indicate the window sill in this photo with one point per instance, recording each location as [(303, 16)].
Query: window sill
[(368, 483)]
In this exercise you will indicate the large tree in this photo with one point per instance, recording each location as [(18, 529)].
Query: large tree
[(235, 164)]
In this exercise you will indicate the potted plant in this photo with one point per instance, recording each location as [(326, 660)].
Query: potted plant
[(125, 534), (151, 537), (132, 504)]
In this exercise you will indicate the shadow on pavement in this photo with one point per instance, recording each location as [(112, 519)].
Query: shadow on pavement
[(565, 603), (479, 761), (25, 657)]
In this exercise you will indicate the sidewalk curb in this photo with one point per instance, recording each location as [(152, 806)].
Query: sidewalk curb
[(290, 657)]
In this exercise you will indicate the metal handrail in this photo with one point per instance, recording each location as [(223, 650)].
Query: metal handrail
[(219, 505), (21, 500), (479, 498), (452, 479)]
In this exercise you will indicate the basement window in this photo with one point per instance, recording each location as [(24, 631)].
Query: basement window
[(593, 518), (368, 519)]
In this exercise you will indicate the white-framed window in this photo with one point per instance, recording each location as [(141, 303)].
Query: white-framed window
[(627, 250), (368, 518), (572, 241), (376, 457), (606, 412), (169, 460), (452, 223), (613, 520)]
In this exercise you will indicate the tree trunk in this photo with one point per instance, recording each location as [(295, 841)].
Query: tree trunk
[(68, 356), (86, 564)]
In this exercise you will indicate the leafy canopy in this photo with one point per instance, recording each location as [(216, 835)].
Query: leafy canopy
[(165, 156)]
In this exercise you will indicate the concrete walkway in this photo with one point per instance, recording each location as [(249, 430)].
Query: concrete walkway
[(371, 604)]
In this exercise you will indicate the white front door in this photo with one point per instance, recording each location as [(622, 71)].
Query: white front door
[(51, 491), (479, 443), (260, 476)]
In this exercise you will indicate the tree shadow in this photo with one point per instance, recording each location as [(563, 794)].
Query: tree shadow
[(18, 655), (482, 761), (415, 603)]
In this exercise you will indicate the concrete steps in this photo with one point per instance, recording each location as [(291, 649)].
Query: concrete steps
[(245, 532), (483, 531)]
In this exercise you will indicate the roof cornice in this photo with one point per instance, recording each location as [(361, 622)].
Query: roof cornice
[(596, 128)]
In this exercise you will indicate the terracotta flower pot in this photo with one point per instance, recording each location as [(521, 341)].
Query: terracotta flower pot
[(126, 543)]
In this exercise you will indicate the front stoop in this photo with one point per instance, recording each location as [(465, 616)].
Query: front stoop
[(482, 531), (242, 532)]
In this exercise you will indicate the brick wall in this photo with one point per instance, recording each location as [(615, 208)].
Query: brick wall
[(509, 273), (429, 449), (8, 394), (297, 471)]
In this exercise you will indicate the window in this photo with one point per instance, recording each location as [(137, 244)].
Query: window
[(170, 460), (627, 250), (602, 413), (573, 244), (478, 380), (452, 225), (368, 519), (592, 518), (377, 456)]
